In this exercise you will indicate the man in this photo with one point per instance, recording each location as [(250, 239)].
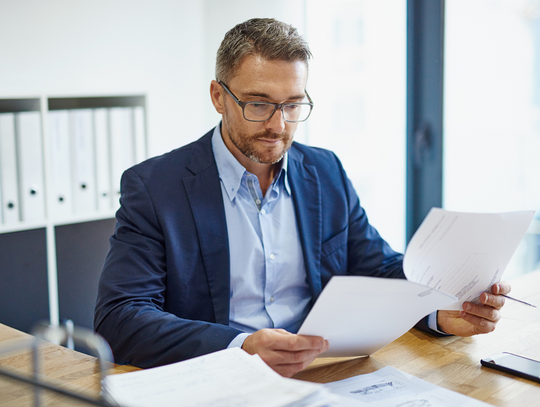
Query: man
[(228, 241)]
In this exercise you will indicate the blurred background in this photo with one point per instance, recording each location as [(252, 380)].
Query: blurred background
[(165, 50)]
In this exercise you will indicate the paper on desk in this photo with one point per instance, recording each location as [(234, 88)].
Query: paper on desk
[(230, 377), (390, 387), (455, 255), (464, 254), (359, 315)]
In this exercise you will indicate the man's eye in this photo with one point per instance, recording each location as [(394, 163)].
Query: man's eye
[(260, 107), (292, 107)]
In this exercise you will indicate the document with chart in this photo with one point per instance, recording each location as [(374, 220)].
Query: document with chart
[(390, 387), (452, 258)]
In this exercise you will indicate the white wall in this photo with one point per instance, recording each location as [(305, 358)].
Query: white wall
[(164, 49)]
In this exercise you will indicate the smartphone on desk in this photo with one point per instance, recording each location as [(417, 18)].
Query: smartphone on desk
[(514, 364)]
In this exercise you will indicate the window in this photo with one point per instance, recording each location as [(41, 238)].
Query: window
[(357, 82), (492, 113)]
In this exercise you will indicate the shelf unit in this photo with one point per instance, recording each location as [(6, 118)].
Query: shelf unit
[(50, 267)]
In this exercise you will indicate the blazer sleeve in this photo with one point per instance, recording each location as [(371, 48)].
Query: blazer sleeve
[(368, 253), (132, 295)]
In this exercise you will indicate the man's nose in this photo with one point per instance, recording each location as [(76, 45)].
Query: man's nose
[(276, 123)]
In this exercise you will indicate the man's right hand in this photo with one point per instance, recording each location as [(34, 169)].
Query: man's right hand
[(283, 351)]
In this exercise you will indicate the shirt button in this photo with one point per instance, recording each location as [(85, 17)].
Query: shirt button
[(263, 211), (258, 201), (272, 256), (271, 299)]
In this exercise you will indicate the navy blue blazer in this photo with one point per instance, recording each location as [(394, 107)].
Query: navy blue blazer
[(164, 291)]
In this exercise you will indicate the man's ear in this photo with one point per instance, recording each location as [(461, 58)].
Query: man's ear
[(216, 94)]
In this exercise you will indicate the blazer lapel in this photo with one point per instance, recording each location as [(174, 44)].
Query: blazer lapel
[(306, 192), (204, 194)]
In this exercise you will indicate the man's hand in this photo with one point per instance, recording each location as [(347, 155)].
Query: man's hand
[(475, 318), (283, 351)]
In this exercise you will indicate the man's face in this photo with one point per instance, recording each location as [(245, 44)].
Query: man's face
[(257, 79)]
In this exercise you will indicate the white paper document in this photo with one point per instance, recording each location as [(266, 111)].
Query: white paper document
[(389, 387), (230, 377), (453, 257), (360, 315), (464, 254)]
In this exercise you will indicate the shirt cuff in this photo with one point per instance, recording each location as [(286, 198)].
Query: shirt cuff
[(238, 341), (432, 323)]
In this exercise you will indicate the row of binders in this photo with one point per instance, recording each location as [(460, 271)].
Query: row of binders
[(87, 151)]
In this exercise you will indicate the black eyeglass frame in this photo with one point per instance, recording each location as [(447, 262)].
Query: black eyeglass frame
[(276, 106)]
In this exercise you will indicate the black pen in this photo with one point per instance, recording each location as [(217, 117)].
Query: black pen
[(515, 299)]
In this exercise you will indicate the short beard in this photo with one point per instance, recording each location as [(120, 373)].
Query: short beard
[(245, 144)]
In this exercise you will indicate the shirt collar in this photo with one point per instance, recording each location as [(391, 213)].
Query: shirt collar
[(231, 171)]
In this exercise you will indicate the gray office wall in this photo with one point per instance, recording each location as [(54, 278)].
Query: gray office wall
[(24, 297), (81, 249)]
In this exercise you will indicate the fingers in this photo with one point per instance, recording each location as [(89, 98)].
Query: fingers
[(476, 318), (284, 352), (279, 339), (482, 311), (502, 287), (482, 317), (283, 340), (289, 367), (491, 300), (480, 325), (496, 300)]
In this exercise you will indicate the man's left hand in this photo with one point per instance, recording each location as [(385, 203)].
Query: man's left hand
[(475, 318)]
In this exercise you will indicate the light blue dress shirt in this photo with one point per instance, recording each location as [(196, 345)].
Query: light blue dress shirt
[(268, 276), (268, 286)]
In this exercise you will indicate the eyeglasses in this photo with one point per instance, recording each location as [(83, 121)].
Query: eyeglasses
[(263, 111)]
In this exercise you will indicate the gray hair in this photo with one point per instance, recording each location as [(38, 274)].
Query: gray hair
[(265, 37)]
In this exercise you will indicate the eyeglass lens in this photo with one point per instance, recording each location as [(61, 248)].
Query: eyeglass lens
[(263, 111)]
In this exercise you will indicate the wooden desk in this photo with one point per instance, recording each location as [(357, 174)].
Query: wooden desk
[(74, 370), (453, 363)]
